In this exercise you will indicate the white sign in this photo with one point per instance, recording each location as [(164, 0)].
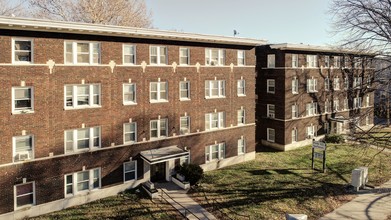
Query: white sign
[(318, 155), (319, 145)]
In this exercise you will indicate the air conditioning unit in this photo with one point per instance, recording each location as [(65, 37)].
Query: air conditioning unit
[(212, 63), (25, 155), (184, 131)]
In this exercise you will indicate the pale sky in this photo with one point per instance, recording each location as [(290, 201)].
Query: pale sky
[(278, 21)]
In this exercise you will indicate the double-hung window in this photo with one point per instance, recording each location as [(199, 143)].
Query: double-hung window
[(130, 133), (158, 55), (241, 86), (337, 61), (158, 91), (214, 152), (294, 135), (336, 104), (346, 104), (271, 109), (158, 128), (310, 131), (130, 170), (241, 58), (82, 96), (184, 56), (23, 148), (271, 86), (215, 89), (271, 61), (357, 82), (327, 84), (336, 83), (346, 83), (82, 52), (312, 61), (83, 181), (184, 124), (214, 120), (312, 108), (357, 102), (24, 195), (129, 54), (22, 50), (184, 90), (22, 98), (241, 117), (82, 139), (214, 57), (241, 146), (327, 61), (129, 93), (327, 106), (295, 86), (295, 60), (295, 111), (312, 85), (271, 135), (367, 101)]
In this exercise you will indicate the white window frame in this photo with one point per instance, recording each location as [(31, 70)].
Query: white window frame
[(346, 104), (30, 152), (159, 55), (209, 152), (367, 100), (209, 61), (271, 135), (311, 109), (26, 109), (357, 82), (357, 102), (295, 110), (16, 207), (241, 58), (91, 136), (187, 90), (186, 57), (130, 171), (271, 61), (271, 86), (311, 132), (295, 86), (125, 91), (241, 119), (295, 60), (327, 61), (312, 85), (75, 182), (31, 51), (158, 128), (133, 55), (218, 117), (327, 84), (159, 87), (130, 132), (294, 133), (336, 105), (271, 111), (336, 84), (209, 88), (312, 61), (184, 129), (75, 54), (327, 106), (346, 83), (241, 146), (75, 95), (337, 61), (241, 87)]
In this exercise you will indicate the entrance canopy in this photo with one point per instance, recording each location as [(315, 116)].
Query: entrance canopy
[(163, 154)]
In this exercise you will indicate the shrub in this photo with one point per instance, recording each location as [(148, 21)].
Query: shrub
[(192, 172), (335, 138)]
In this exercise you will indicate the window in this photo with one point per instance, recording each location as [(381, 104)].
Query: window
[(82, 52), (184, 122), (214, 57), (367, 99), (327, 84), (295, 85), (337, 61), (158, 92), (129, 94), (86, 180), (241, 87), (82, 139), (214, 152), (310, 132), (241, 146), (357, 102), (336, 104), (346, 62), (24, 195), (82, 96), (327, 61), (294, 135), (369, 82), (271, 61), (326, 128), (241, 117), (271, 111), (184, 56), (184, 90), (327, 106), (312, 61), (241, 58), (23, 148), (158, 128), (130, 132), (22, 50), (336, 83), (129, 54), (357, 82), (271, 86), (22, 98), (130, 171), (214, 120), (215, 89), (346, 104), (271, 135), (295, 60), (312, 108), (158, 55), (312, 85), (357, 62), (295, 111), (346, 83)]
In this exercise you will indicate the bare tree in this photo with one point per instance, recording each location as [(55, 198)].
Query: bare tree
[(12, 8), (132, 13)]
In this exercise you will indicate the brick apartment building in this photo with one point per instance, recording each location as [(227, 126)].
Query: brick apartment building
[(89, 110), (305, 92)]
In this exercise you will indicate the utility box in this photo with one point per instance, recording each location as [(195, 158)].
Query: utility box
[(357, 178), (295, 217), (365, 176)]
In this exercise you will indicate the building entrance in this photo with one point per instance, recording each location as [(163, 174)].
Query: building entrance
[(158, 172)]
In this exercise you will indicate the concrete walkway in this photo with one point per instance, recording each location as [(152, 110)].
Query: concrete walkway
[(180, 200), (373, 204)]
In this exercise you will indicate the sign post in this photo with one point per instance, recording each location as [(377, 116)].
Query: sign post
[(319, 152)]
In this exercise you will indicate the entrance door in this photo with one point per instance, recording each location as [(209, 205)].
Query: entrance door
[(158, 172)]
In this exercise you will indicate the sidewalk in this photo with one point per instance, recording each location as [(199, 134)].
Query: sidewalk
[(179, 195), (373, 204)]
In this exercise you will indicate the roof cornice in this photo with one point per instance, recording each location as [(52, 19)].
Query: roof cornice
[(314, 48)]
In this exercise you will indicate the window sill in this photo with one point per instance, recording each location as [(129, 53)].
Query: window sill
[(22, 63), (84, 107), (240, 95), (25, 207), (21, 112), (184, 99), (130, 142), (160, 101), (82, 64), (217, 97), (270, 92), (130, 103)]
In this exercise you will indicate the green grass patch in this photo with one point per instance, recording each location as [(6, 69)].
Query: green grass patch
[(276, 183)]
